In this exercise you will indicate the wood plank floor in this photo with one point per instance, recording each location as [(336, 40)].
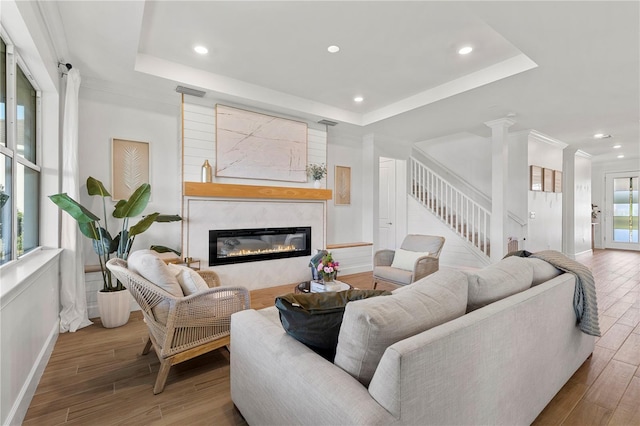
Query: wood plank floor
[(97, 376)]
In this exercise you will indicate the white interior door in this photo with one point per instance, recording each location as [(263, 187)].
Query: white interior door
[(621, 210), (387, 206)]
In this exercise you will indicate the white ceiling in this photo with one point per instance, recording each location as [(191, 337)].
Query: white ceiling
[(566, 69)]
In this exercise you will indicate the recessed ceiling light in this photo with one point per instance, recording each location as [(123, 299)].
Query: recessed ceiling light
[(333, 49), (601, 136), (465, 50), (617, 146), (201, 50), (621, 156), (358, 99)]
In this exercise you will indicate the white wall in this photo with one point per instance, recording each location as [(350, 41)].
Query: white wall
[(582, 203), (545, 231), (342, 218)]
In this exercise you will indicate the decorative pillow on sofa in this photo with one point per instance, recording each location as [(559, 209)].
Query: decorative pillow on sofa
[(146, 264), (190, 281), (509, 276), (370, 326), (314, 318), (542, 271), (406, 259)]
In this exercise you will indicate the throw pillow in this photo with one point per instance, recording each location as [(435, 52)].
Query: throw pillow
[(405, 259), (190, 281), (146, 264), (509, 276), (370, 326), (315, 318)]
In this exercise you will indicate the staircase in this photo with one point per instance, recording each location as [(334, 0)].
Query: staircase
[(460, 213)]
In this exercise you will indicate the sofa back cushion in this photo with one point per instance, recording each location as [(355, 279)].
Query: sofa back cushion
[(542, 271), (369, 326), (509, 276)]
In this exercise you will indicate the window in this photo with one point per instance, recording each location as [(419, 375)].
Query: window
[(19, 168)]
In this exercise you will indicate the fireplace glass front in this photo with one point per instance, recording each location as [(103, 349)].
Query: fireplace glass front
[(248, 245)]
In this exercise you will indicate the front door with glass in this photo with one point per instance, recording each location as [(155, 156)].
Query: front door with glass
[(621, 218)]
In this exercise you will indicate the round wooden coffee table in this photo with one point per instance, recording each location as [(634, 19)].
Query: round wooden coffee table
[(305, 287)]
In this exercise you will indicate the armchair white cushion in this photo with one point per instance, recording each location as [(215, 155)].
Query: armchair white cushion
[(419, 257)]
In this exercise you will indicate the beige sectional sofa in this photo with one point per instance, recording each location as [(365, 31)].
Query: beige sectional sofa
[(416, 357)]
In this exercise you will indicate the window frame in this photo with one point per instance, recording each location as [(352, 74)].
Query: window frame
[(13, 62)]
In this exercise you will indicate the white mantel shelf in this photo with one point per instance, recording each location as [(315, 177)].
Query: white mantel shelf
[(226, 190)]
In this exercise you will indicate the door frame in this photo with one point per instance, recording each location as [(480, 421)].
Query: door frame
[(607, 212)]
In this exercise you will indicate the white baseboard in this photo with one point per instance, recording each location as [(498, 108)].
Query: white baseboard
[(20, 407)]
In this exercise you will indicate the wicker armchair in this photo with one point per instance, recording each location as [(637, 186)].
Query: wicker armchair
[(423, 266), (196, 324)]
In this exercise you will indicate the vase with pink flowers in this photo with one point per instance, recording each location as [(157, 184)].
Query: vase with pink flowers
[(328, 268)]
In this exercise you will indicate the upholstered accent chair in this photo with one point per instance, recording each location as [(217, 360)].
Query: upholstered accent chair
[(417, 257), (182, 327)]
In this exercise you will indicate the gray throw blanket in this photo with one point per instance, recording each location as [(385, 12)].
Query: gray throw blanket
[(584, 297)]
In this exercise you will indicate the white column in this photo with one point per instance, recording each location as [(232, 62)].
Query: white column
[(568, 201), (499, 176), (369, 190)]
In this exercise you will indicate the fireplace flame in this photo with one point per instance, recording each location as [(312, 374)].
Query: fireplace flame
[(273, 249)]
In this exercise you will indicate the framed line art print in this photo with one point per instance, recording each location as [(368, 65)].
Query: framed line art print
[(129, 167), (343, 186)]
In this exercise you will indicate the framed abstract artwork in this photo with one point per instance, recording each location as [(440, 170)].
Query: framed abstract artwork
[(251, 145), (343, 185), (129, 167)]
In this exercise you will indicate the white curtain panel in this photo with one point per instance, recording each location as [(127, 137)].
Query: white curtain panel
[(73, 295)]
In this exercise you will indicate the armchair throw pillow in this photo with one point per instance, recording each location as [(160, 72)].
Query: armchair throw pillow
[(406, 259)]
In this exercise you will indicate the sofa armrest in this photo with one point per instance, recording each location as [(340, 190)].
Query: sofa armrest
[(425, 265), (383, 258), (277, 380)]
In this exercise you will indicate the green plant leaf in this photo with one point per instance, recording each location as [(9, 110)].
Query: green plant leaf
[(143, 225), (168, 218), (95, 187), (89, 230), (75, 209), (136, 203), (164, 249), (102, 246)]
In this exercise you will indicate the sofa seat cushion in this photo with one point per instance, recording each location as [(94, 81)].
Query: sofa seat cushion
[(315, 318), (509, 276), (394, 275), (542, 271), (369, 326)]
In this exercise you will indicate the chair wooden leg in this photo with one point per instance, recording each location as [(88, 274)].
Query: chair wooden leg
[(165, 366), (147, 347), (375, 284)]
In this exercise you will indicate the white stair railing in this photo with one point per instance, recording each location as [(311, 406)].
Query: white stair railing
[(463, 215)]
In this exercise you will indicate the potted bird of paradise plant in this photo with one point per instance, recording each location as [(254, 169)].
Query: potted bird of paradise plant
[(113, 300)]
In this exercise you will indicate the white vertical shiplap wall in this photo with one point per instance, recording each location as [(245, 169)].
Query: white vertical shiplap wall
[(200, 144)]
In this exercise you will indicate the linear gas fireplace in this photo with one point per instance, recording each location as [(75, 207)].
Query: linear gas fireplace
[(249, 245)]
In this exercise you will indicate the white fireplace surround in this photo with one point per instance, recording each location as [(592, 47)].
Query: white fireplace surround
[(204, 214)]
